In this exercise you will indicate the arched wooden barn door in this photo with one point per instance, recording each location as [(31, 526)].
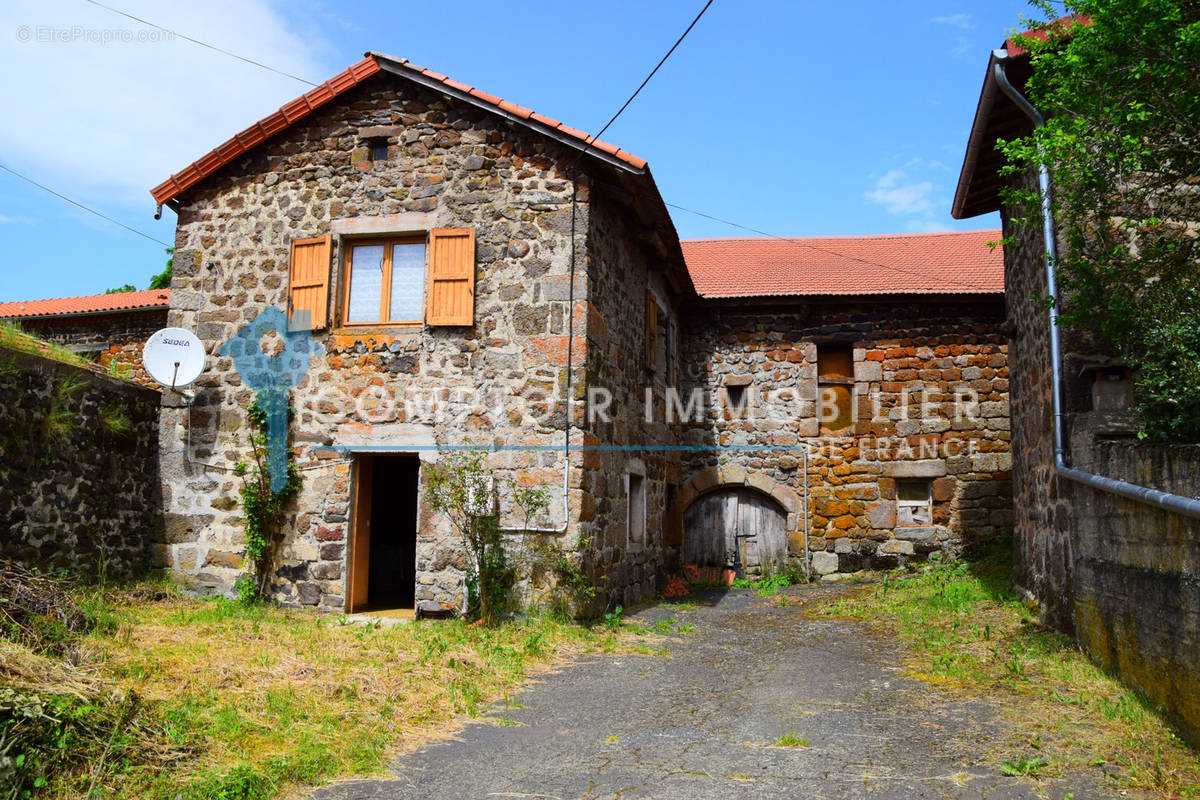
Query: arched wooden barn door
[(738, 528)]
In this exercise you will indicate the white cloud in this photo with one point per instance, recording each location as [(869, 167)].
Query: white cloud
[(928, 225), (106, 120), (7, 220), (901, 196), (959, 20)]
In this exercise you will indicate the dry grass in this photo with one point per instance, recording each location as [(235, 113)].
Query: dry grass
[(247, 702), (14, 337), (966, 632)]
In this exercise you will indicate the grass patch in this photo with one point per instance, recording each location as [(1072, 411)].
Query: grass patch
[(211, 699), (966, 630), (790, 739), (14, 337)]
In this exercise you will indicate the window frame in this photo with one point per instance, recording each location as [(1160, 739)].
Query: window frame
[(832, 380), (634, 510), (385, 300), (926, 504)]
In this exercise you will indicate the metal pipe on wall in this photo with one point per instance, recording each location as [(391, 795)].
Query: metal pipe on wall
[(1178, 504)]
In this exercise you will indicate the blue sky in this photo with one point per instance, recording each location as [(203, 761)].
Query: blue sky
[(793, 118)]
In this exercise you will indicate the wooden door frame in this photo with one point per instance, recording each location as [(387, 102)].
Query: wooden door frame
[(358, 542)]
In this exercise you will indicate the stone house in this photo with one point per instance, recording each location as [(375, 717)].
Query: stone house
[(475, 274), (880, 356), (109, 327), (460, 284)]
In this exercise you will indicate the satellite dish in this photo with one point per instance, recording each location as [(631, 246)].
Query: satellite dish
[(173, 356)]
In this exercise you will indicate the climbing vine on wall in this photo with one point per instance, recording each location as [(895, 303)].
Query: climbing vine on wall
[(263, 510), (1117, 85)]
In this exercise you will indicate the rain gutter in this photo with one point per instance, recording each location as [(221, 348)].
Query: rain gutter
[(1178, 504)]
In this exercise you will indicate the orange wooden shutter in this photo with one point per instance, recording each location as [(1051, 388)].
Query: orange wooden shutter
[(450, 296), (308, 289), (651, 331)]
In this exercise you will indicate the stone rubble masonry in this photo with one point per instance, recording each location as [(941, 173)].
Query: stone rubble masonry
[(935, 347), (85, 501), (448, 165), (1121, 576), (110, 338)]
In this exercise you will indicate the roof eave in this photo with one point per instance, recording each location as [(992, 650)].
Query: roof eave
[(939, 293), (98, 313), (975, 144)]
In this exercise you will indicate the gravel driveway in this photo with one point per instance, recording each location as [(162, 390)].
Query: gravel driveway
[(703, 723)]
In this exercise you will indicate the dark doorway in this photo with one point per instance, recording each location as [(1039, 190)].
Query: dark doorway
[(384, 549)]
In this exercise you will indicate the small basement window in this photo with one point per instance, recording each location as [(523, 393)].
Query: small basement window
[(914, 502), (835, 385), (379, 149)]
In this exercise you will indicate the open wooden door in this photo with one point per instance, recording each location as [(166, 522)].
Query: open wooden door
[(360, 532)]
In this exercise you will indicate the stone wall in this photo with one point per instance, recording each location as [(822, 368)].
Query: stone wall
[(1122, 577), (412, 388), (114, 339), (78, 468), (1042, 550), (901, 348), (1135, 575), (620, 273)]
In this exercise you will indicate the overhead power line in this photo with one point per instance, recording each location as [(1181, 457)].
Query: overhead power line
[(588, 142), (88, 209), (657, 66), (203, 44)]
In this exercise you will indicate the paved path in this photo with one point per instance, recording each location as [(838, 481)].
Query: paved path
[(700, 724)]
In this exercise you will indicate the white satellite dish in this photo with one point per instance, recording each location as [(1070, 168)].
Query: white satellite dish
[(173, 356)]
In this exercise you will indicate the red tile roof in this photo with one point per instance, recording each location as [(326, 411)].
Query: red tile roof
[(919, 263), (308, 102), (88, 304)]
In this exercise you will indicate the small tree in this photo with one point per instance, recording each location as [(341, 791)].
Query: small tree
[(1117, 85), (462, 487)]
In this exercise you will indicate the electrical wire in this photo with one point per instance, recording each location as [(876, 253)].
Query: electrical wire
[(76, 203), (203, 44), (662, 61), (587, 145)]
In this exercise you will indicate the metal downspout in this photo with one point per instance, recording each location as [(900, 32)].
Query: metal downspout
[(1179, 504)]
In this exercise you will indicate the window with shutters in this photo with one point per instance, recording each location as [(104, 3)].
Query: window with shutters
[(410, 280), (308, 284)]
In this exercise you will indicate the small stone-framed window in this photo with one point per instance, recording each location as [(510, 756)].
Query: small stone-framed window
[(660, 340), (737, 393), (635, 504), (914, 502), (379, 149), (835, 386)]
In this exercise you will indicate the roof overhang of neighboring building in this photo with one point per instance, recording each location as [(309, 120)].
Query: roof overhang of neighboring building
[(996, 117), (88, 305), (635, 179)]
